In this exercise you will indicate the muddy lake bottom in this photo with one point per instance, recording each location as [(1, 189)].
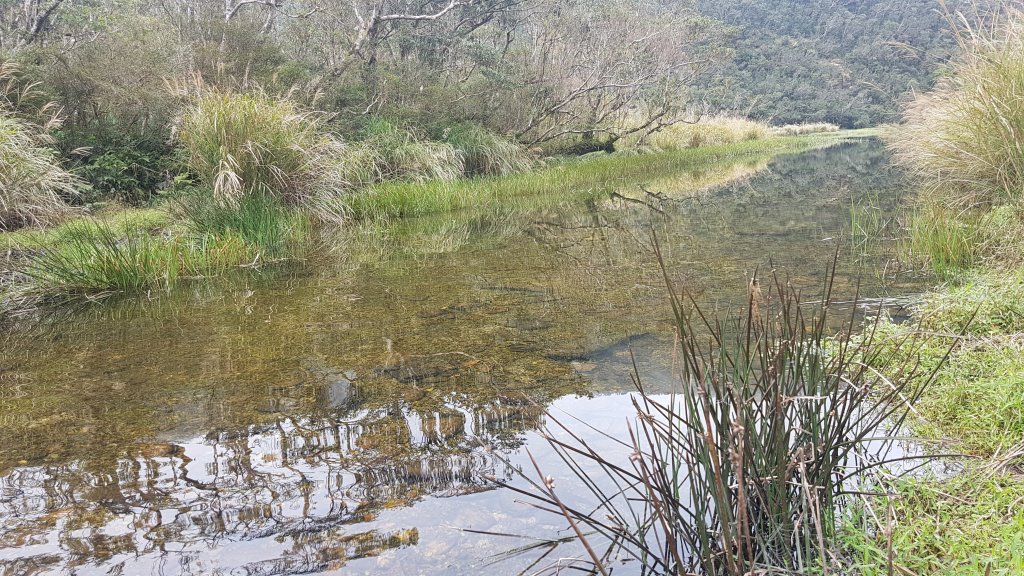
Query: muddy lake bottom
[(347, 415)]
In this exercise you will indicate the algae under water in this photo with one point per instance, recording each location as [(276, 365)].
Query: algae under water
[(345, 416)]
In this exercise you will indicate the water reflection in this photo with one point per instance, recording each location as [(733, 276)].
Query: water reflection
[(349, 412)]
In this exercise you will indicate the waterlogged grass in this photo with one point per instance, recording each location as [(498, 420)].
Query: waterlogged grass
[(271, 230), (91, 257), (969, 525), (589, 176)]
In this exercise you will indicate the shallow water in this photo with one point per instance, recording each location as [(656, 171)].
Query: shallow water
[(345, 415)]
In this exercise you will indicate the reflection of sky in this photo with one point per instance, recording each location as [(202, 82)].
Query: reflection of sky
[(286, 422)]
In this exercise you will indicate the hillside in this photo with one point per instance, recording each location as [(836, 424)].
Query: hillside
[(848, 62)]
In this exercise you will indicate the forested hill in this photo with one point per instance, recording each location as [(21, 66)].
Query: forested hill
[(848, 62)]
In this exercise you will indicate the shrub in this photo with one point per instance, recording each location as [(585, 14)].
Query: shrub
[(244, 144), (965, 138)]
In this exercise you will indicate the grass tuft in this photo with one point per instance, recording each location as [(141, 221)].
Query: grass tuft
[(253, 144)]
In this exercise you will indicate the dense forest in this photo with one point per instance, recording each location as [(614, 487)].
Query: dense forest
[(849, 62)]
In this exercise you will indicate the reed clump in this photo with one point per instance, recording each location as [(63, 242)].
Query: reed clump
[(747, 468), (33, 185), (239, 145), (965, 138), (388, 152), (712, 131), (485, 153), (807, 128)]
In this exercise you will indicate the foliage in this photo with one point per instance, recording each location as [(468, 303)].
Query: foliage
[(845, 62), (240, 145)]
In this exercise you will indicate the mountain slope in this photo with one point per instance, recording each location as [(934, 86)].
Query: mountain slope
[(849, 62)]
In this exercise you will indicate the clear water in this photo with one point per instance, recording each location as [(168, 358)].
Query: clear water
[(347, 414)]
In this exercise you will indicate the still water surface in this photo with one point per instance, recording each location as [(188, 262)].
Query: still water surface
[(345, 415)]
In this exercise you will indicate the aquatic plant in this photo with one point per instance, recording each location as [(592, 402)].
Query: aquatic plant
[(92, 257), (259, 220), (244, 144), (744, 469)]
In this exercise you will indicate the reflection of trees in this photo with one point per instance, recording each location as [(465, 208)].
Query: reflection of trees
[(305, 483)]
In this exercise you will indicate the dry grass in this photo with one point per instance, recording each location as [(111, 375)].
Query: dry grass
[(33, 185), (965, 138), (710, 131)]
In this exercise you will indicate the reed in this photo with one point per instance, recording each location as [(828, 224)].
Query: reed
[(33, 185), (485, 153), (746, 469)]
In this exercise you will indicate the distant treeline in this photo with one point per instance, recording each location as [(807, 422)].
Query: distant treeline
[(848, 62)]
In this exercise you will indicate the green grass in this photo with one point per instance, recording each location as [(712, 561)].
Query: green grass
[(969, 525), (973, 522), (588, 176), (950, 244), (93, 257), (270, 229)]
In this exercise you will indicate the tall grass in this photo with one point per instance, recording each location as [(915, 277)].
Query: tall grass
[(743, 471), (33, 185), (965, 138), (254, 144), (271, 230), (485, 153), (711, 131), (398, 154)]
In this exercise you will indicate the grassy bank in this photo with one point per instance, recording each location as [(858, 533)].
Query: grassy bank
[(595, 174), (965, 143), (194, 236)]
